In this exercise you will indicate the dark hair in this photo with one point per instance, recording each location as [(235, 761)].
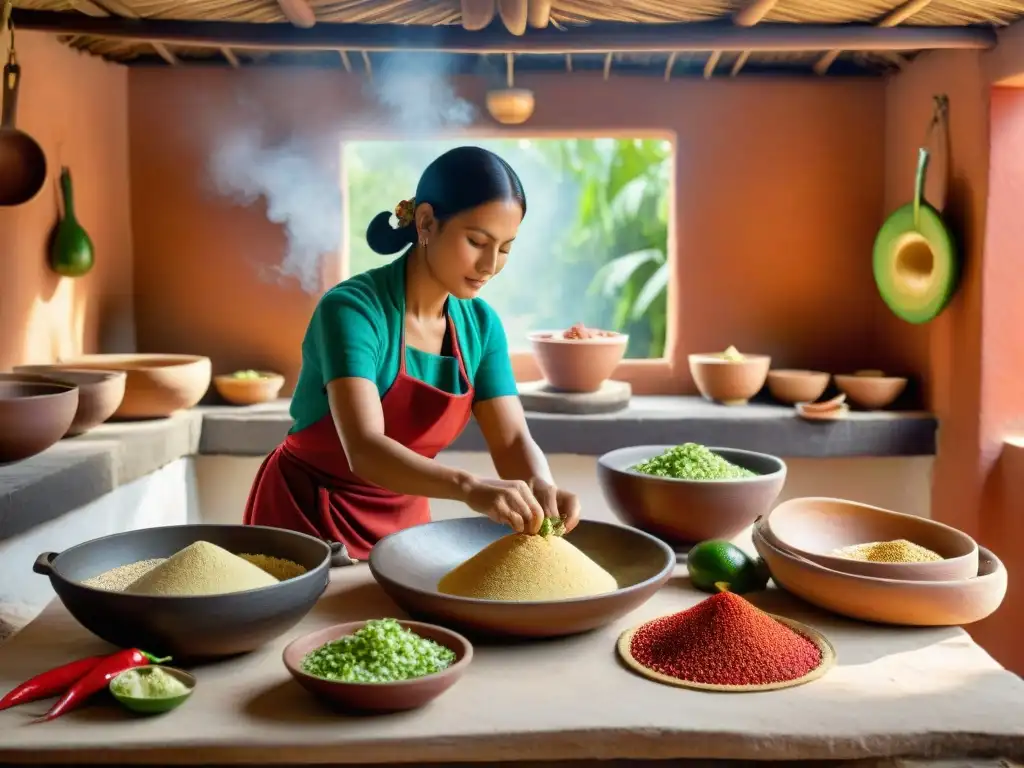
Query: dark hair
[(459, 180)]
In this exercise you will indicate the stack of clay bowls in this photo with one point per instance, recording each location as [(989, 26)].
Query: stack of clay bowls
[(799, 538)]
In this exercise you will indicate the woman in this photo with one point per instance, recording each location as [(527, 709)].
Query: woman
[(395, 361)]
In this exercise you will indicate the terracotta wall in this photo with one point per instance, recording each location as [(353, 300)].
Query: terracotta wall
[(779, 193), (76, 107)]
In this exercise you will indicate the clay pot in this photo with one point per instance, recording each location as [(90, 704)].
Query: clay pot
[(577, 365), (380, 698), (156, 385), (99, 392), (815, 527), (689, 511), (726, 381), (871, 392), (239, 391), (887, 601), (33, 416), (794, 386)]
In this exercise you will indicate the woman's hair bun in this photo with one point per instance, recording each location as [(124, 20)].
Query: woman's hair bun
[(385, 239)]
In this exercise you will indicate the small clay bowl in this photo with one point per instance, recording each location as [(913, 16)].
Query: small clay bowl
[(869, 391), (687, 511), (34, 415), (379, 698), (795, 386), (156, 706), (887, 601), (828, 414), (814, 527), (99, 392), (240, 391), (729, 382), (577, 365)]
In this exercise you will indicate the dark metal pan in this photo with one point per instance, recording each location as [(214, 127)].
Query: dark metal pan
[(189, 628)]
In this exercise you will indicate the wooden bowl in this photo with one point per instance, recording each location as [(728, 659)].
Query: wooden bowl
[(577, 365), (238, 391), (794, 386), (33, 416), (887, 601), (729, 382), (156, 385), (510, 106), (688, 511), (814, 527), (409, 564), (871, 392), (99, 392), (380, 698)]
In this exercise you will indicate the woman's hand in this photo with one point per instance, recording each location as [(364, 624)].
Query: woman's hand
[(557, 503), (508, 502)]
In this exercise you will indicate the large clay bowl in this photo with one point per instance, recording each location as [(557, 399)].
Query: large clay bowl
[(688, 511), (814, 527), (577, 365), (871, 392), (409, 564), (99, 392), (729, 382), (243, 391), (793, 386), (33, 416), (156, 385), (379, 698), (887, 601), (195, 628)]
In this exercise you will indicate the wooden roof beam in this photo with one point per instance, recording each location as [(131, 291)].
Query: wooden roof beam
[(229, 55), (599, 38), (298, 12), (896, 17), (104, 8)]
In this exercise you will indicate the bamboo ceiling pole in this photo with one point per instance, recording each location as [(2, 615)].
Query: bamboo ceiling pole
[(477, 14), (298, 12), (104, 8), (539, 13), (897, 16), (753, 14), (596, 38), (514, 14)]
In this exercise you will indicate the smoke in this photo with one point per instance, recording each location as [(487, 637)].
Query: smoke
[(298, 193), (409, 96)]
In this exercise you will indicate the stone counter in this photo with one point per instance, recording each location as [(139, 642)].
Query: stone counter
[(79, 470), (911, 693)]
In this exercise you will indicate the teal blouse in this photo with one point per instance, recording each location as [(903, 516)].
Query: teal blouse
[(356, 331)]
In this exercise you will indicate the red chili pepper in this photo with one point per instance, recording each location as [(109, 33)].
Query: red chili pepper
[(51, 683), (98, 678)]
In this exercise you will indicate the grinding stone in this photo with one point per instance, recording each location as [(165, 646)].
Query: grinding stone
[(541, 397)]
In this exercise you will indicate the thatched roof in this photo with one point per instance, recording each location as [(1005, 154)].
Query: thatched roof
[(708, 37)]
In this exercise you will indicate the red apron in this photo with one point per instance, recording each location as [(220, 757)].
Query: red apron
[(306, 485)]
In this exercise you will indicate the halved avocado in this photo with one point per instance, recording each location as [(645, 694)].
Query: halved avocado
[(916, 264)]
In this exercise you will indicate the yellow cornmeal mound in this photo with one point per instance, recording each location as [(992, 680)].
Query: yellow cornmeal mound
[(201, 568), (278, 567), (519, 567), (896, 551), (118, 579)]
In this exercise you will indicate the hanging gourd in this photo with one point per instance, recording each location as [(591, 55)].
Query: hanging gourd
[(71, 254)]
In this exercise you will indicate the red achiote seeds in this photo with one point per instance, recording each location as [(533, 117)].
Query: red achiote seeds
[(724, 640)]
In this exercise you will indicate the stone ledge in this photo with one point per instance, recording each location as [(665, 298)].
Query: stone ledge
[(80, 470)]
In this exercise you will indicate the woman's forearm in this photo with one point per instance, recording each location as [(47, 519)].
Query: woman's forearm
[(522, 459), (390, 465)]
